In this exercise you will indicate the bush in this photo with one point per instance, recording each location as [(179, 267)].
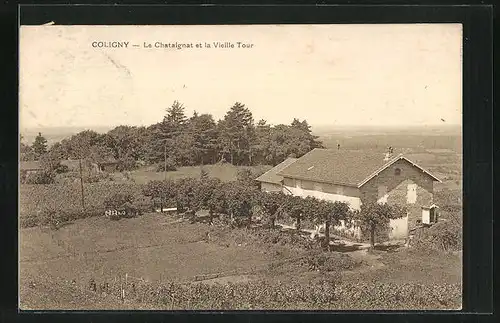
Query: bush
[(41, 177), (99, 177), (65, 200), (61, 169), (123, 204), (444, 236), (331, 262), (171, 166), (126, 164)]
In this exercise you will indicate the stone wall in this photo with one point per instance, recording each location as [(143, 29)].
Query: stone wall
[(397, 189)]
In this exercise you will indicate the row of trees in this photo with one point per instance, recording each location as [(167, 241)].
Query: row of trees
[(199, 139), (240, 200)]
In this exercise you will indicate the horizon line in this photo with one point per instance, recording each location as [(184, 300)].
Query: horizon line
[(272, 124)]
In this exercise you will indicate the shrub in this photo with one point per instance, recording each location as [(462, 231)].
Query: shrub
[(66, 199), (171, 166), (330, 262), (41, 177), (104, 176), (127, 163), (123, 203), (61, 169), (445, 236)]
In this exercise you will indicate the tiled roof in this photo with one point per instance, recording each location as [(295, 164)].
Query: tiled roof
[(30, 165), (340, 166), (271, 175)]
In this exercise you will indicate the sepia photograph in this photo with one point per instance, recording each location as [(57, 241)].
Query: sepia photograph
[(240, 167)]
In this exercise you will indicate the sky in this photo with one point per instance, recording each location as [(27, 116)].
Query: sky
[(374, 75)]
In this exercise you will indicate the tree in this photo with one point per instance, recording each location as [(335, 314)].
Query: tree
[(186, 196), (173, 126), (79, 146), (260, 146), (208, 196), (376, 216), (216, 202), (240, 200), (305, 128), (297, 208), (39, 146), (161, 191), (175, 117), (203, 131), (124, 141), (153, 143), (237, 134), (332, 213), (271, 204)]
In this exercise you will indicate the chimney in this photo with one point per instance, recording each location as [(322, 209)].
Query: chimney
[(388, 154)]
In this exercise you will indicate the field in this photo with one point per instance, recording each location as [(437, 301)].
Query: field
[(157, 249), (56, 266), (225, 173)]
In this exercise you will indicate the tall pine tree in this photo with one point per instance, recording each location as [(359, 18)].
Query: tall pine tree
[(237, 134), (39, 146)]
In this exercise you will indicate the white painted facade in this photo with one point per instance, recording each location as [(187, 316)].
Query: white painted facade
[(354, 202), (399, 228)]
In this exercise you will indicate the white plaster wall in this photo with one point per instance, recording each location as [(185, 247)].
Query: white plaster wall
[(354, 202), (399, 228)]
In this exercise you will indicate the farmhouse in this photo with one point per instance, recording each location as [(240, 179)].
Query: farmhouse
[(357, 176), (270, 181)]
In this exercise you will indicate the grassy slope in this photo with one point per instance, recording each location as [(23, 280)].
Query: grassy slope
[(146, 248), (226, 172), (141, 247)]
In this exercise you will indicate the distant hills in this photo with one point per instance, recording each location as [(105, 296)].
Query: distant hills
[(55, 134), (328, 130)]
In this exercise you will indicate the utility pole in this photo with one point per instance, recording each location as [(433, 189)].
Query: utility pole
[(81, 184), (165, 157)]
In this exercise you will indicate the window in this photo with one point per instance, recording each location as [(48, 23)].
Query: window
[(411, 197), (397, 171), (382, 194)]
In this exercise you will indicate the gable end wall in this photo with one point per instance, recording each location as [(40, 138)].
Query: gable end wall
[(397, 188)]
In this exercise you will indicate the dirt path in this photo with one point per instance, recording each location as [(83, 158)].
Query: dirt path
[(338, 240)]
